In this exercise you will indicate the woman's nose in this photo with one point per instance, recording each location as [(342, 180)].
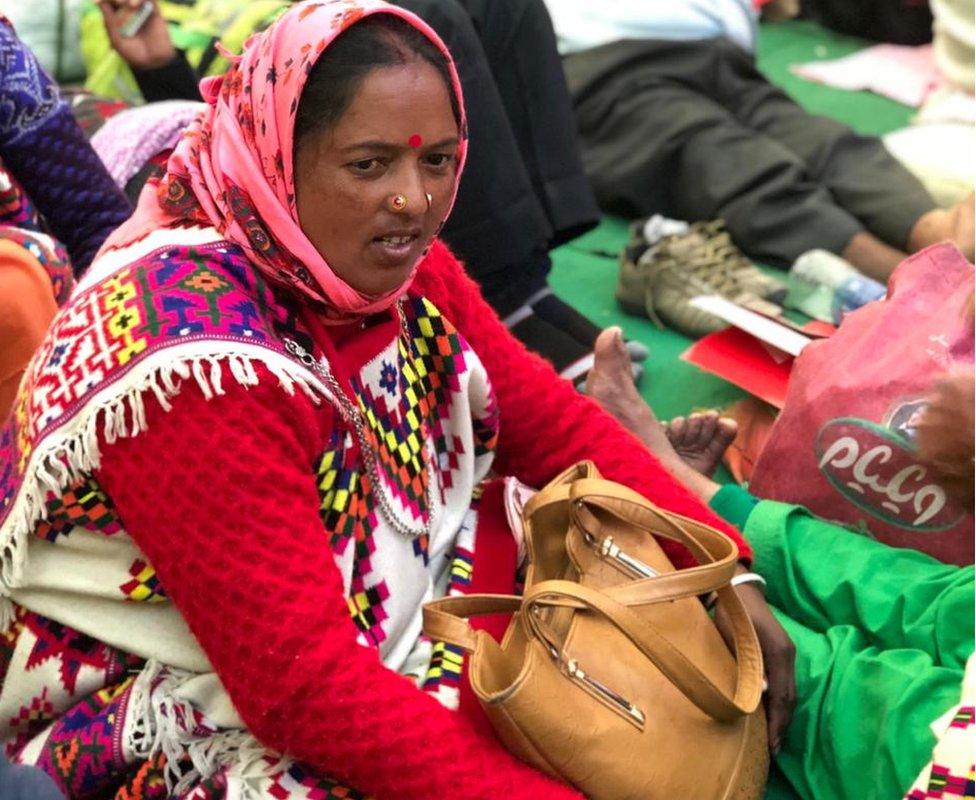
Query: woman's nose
[(413, 190)]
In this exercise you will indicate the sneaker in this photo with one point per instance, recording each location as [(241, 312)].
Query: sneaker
[(663, 277), (630, 284), (722, 249)]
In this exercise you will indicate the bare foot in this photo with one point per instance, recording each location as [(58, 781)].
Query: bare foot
[(609, 382), (702, 439), (953, 224), (963, 226), (697, 442)]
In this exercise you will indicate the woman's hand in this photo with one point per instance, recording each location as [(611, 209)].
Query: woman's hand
[(779, 658), (944, 435), (150, 47)]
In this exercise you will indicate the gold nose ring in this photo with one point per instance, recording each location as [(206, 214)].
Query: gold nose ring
[(430, 199), (398, 202)]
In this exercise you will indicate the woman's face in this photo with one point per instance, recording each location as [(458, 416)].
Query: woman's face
[(398, 137)]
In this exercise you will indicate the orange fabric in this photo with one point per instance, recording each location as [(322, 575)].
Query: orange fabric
[(755, 420), (26, 309)]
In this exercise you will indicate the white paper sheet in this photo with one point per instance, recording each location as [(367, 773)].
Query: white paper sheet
[(763, 328)]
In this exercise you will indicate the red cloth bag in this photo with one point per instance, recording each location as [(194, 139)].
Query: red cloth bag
[(843, 445)]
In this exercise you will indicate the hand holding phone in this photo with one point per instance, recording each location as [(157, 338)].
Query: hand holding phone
[(138, 32), (139, 18)]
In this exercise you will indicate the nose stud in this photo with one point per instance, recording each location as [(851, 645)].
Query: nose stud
[(398, 202), (430, 199)]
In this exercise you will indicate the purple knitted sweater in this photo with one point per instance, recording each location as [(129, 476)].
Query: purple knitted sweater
[(44, 149)]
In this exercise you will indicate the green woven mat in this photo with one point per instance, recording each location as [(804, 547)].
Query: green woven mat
[(584, 271)]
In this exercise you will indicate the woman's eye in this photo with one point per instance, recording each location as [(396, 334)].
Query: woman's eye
[(438, 160), (366, 166)]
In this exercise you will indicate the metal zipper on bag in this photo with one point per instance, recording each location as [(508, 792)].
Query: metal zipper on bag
[(571, 668), (574, 671), (611, 552)]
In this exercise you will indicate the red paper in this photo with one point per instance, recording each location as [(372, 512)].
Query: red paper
[(742, 359)]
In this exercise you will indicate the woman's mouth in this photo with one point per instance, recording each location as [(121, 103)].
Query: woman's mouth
[(393, 249)]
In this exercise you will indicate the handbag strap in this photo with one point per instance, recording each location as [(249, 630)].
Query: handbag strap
[(659, 650), (445, 620), (718, 556), (716, 553), (557, 490)]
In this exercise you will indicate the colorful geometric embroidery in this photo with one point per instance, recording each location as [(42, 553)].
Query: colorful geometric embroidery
[(486, 429), (8, 641), (346, 504), (144, 586), (171, 297), (446, 665), (388, 378), (82, 752), (366, 607), (31, 719), (83, 504), (942, 783), (461, 567), (429, 368), (73, 650), (298, 781), (148, 783), (965, 716), (421, 548)]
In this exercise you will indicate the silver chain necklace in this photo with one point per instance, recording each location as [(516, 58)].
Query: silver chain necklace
[(355, 419)]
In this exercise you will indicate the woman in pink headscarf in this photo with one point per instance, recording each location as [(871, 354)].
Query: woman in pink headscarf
[(254, 443)]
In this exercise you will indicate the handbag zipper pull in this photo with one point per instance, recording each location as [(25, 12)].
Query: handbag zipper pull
[(610, 551), (574, 671)]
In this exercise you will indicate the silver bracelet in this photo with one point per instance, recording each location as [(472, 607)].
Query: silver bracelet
[(747, 577)]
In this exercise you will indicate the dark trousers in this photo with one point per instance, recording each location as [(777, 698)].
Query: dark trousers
[(21, 782), (694, 131), (523, 190)]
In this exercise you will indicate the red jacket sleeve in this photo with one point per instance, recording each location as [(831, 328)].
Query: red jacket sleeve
[(221, 497), (546, 425)]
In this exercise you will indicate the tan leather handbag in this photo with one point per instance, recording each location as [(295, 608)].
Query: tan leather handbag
[(612, 676)]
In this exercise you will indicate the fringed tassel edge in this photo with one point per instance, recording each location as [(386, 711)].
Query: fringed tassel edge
[(71, 451), (160, 722)]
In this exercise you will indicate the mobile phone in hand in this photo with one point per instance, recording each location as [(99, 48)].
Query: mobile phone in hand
[(134, 24)]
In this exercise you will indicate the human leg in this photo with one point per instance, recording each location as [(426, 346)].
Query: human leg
[(860, 729), (520, 45), (824, 575), (656, 141), (899, 214), (861, 175)]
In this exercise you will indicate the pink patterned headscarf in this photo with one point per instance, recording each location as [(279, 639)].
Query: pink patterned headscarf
[(233, 167)]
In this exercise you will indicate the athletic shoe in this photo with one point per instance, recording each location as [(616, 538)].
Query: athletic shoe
[(720, 247)]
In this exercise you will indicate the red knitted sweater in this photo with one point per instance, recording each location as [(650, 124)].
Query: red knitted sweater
[(221, 497)]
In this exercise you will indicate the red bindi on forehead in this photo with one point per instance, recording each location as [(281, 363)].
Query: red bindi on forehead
[(415, 141)]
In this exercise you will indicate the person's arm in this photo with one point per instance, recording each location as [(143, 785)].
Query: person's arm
[(221, 497), (46, 151), (546, 425), (161, 71), (174, 80)]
